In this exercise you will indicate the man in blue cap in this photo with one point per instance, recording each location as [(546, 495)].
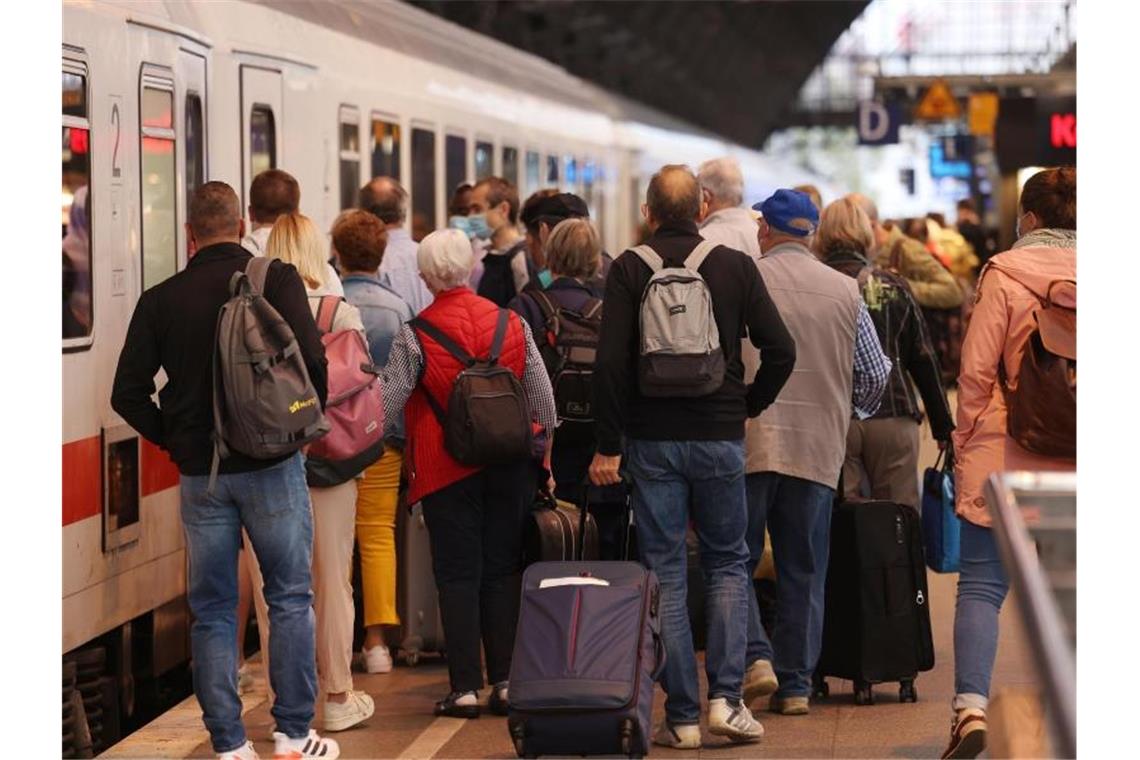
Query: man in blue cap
[(795, 448)]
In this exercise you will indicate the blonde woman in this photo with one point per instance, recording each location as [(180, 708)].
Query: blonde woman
[(296, 240)]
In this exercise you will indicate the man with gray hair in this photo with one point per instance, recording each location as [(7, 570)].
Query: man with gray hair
[(387, 200), (726, 221)]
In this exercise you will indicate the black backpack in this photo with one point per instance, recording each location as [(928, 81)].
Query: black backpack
[(498, 281), (569, 352), (487, 419)]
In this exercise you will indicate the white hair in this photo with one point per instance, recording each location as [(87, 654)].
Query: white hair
[(445, 259), (723, 179)]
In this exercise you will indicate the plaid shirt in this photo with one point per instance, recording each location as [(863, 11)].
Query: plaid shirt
[(872, 367), (405, 361)]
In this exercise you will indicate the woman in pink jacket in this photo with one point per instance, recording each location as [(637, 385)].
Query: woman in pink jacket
[(1009, 293)]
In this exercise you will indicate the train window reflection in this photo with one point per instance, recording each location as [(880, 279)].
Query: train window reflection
[(385, 149), (157, 183), (262, 140), (349, 156), (423, 183), (455, 162), (195, 145), (511, 165), (484, 160), (532, 167), (78, 309)]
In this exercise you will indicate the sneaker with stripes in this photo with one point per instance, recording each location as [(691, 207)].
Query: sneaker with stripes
[(733, 721), (311, 746)]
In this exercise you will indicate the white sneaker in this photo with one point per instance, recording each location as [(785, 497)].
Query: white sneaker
[(356, 709), (377, 659), (311, 746), (687, 736), (759, 681), (244, 752), (734, 721)]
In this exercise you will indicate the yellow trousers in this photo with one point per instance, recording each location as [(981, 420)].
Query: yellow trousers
[(376, 503)]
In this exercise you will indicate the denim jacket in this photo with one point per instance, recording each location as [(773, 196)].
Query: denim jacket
[(383, 313)]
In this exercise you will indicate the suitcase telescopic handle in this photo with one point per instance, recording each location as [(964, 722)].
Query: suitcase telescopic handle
[(627, 487)]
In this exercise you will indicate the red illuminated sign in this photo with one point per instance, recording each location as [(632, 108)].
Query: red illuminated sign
[(1063, 130)]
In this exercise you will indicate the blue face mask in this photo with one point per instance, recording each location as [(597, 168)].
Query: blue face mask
[(477, 226), (460, 223), (545, 278)]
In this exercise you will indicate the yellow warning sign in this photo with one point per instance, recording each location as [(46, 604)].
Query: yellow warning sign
[(982, 113), (938, 103)]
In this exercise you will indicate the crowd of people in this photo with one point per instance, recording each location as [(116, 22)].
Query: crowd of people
[(825, 320)]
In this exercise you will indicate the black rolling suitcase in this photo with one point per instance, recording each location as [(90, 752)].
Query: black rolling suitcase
[(558, 532), (587, 651), (876, 625)]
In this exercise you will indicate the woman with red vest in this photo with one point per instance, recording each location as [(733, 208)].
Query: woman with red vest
[(475, 516)]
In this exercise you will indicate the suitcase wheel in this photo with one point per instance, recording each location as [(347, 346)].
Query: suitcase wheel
[(819, 688), (411, 659), (907, 691), (863, 694), (518, 737), (627, 733)]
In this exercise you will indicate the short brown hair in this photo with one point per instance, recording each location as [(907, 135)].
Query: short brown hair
[(499, 190), (574, 249), (1052, 196), (674, 195), (812, 192), (844, 225), (271, 194), (386, 199), (359, 239), (215, 211)]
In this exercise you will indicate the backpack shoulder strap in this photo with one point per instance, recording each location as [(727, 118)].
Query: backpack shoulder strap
[(698, 255), (500, 333), (441, 338), (326, 313), (591, 307), (651, 258), (256, 270), (549, 309)]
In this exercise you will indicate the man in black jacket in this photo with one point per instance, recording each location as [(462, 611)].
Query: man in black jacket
[(173, 329), (690, 450)]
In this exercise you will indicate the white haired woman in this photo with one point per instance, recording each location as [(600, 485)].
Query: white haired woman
[(475, 515), (296, 239)]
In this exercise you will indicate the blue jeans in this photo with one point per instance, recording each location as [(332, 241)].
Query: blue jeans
[(982, 587), (273, 506), (667, 477), (797, 513)]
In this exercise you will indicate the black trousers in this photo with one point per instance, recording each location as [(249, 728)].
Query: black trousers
[(475, 527)]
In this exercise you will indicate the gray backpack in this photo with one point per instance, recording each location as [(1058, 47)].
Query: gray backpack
[(680, 352), (264, 403)]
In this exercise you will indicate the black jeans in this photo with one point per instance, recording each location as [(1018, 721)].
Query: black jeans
[(475, 527), (570, 464)]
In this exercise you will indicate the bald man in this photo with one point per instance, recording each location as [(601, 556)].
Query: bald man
[(682, 451), (387, 199)]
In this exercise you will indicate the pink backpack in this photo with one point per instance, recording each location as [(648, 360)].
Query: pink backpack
[(355, 407)]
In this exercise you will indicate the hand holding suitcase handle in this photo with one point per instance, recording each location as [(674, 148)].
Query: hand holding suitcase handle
[(628, 488)]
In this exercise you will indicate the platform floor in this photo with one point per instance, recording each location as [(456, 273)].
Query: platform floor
[(403, 726)]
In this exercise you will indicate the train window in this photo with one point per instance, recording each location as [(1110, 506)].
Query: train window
[(262, 139), (78, 309), (156, 180), (552, 169), (484, 160), (195, 145), (349, 156), (423, 183), (511, 165), (571, 173), (385, 149), (455, 162), (532, 166)]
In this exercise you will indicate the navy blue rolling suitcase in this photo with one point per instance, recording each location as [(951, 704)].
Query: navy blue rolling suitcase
[(587, 651)]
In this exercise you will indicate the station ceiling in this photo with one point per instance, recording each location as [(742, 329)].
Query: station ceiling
[(733, 67)]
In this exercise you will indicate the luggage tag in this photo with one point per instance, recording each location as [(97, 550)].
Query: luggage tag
[(573, 580)]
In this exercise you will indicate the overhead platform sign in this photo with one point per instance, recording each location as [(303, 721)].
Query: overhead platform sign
[(938, 104), (878, 124)]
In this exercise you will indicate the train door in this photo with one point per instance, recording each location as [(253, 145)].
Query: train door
[(190, 105), (262, 112)]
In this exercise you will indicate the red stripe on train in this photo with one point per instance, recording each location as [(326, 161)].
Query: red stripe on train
[(82, 476)]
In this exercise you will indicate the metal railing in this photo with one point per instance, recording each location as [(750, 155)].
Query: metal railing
[(1035, 521)]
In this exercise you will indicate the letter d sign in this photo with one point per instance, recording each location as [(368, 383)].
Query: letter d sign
[(877, 124)]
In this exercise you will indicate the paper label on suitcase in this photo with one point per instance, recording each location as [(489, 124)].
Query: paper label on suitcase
[(571, 581)]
